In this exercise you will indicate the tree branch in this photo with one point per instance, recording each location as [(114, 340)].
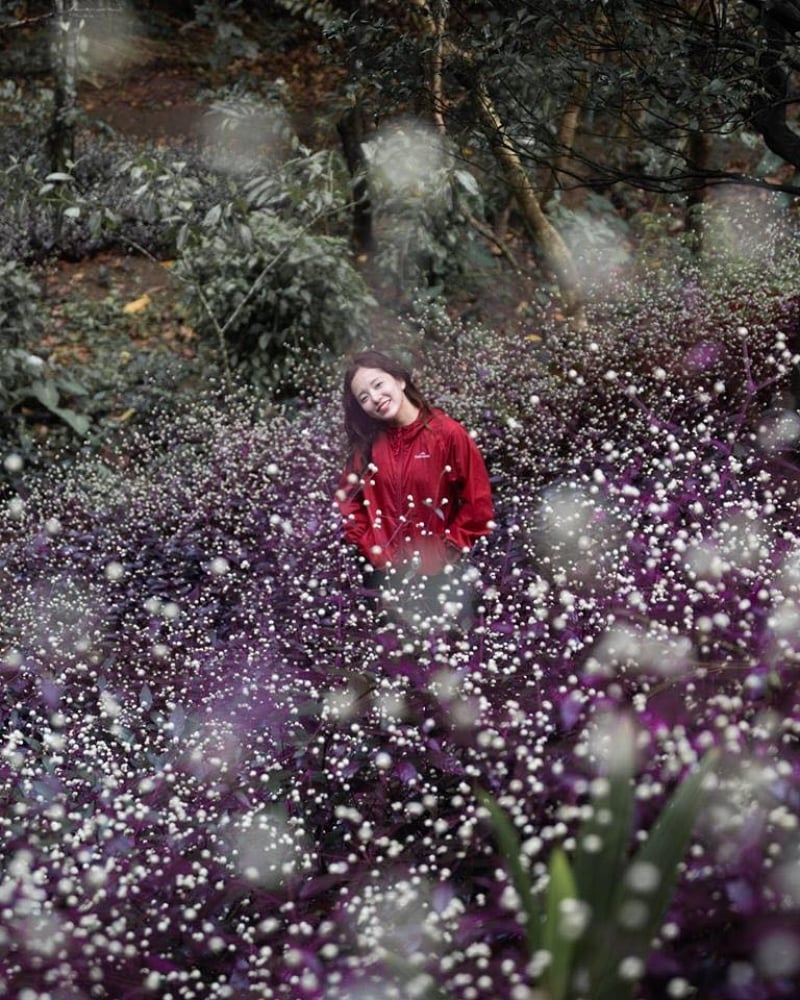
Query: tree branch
[(27, 22)]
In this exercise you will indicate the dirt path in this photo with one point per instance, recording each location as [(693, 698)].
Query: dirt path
[(157, 104)]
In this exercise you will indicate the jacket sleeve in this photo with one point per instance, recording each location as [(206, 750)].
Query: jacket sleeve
[(357, 523), (470, 493), (350, 501)]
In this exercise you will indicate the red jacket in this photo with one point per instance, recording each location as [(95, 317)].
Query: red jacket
[(425, 495)]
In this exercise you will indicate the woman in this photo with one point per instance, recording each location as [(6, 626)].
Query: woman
[(414, 493)]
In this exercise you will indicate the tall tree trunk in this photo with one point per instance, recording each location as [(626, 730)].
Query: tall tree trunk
[(545, 236), (351, 128), (431, 15), (352, 133), (566, 137), (61, 140), (769, 108), (699, 149)]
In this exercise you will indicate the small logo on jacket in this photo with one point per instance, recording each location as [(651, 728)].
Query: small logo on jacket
[(422, 454)]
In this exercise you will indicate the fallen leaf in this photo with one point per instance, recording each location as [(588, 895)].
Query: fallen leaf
[(137, 305)]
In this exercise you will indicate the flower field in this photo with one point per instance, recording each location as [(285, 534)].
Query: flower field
[(224, 775)]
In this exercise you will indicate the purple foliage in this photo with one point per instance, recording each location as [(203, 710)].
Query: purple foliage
[(223, 775)]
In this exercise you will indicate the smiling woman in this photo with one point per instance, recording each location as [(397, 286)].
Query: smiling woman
[(382, 397), (414, 494)]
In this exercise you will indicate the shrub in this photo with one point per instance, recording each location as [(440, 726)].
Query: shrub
[(20, 318), (114, 195), (280, 298), (25, 377)]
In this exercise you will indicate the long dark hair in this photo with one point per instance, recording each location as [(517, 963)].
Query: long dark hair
[(361, 429)]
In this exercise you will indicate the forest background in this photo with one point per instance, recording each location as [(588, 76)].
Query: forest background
[(220, 775)]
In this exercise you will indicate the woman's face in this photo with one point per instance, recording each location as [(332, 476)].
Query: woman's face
[(382, 396)]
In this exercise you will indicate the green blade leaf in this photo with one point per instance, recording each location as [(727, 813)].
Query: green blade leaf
[(649, 883), (558, 942), (511, 849), (603, 843), (77, 421), (47, 394)]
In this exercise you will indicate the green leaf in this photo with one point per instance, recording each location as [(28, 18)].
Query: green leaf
[(213, 215), (46, 393), (511, 849), (72, 387), (95, 222), (77, 421), (603, 843), (559, 945), (467, 182), (182, 237), (246, 236), (649, 883)]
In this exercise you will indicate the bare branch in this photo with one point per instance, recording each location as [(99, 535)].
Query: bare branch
[(27, 22)]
